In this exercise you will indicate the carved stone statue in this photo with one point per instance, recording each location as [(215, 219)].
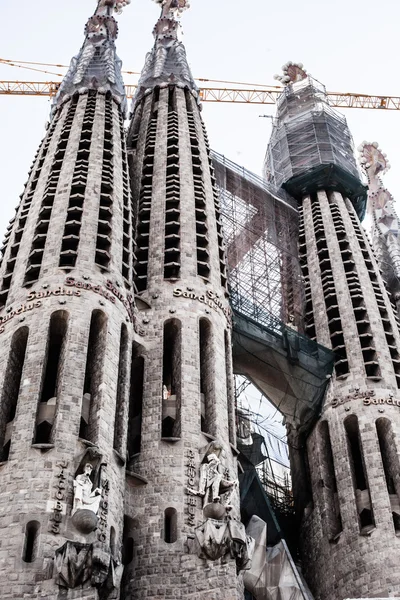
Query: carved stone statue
[(214, 481), (84, 495)]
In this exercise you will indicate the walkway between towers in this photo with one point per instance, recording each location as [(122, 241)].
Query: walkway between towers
[(261, 232)]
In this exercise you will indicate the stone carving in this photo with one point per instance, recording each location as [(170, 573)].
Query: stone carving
[(73, 564), (292, 73), (60, 497), (191, 500), (77, 564), (103, 514), (85, 497), (221, 535), (214, 482), (223, 539), (97, 66)]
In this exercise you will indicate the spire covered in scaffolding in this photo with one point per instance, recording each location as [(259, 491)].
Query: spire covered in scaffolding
[(311, 147), (167, 63), (97, 65)]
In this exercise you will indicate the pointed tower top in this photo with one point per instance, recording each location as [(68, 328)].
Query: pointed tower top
[(97, 65), (167, 63)]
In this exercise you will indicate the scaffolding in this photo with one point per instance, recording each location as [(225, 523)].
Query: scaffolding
[(266, 292), (311, 146), (261, 231)]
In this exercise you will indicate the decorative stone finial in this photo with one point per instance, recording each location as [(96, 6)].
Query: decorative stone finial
[(97, 65), (292, 73), (372, 159), (167, 63), (374, 163), (172, 6)]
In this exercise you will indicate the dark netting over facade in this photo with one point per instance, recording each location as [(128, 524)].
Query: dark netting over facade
[(311, 146), (261, 233)]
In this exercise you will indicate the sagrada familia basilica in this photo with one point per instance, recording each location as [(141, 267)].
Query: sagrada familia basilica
[(127, 303)]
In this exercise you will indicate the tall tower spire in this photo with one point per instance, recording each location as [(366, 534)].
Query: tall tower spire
[(345, 475), (182, 428), (67, 327)]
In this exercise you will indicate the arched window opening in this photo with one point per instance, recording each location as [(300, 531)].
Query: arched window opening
[(12, 383), (51, 383), (301, 472), (391, 467), (135, 403), (171, 392), (207, 384), (121, 400), (170, 525), (128, 553), (93, 376), (330, 493), (359, 475), (230, 389), (31, 541)]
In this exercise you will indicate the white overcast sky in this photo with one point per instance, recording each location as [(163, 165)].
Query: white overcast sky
[(349, 45)]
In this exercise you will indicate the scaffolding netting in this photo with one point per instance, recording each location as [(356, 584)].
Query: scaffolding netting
[(311, 146), (261, 234)]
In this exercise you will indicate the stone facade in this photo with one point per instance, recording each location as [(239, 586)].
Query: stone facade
[(350, 512), (346, 472), (85, 379)]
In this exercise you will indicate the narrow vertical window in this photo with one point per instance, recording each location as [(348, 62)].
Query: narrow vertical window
[(128, 548), (121, 391), (359, 475), (391, 467), (31, 541), (51, 382), (170, 525), (229, 389), (135, 403), (171, 391), (113, 544), (328, 480), (93, 376), (12, 383), (207, 390)]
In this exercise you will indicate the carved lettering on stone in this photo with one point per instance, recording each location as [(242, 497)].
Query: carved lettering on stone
[(60, 497)]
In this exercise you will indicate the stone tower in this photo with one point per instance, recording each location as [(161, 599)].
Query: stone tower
[(183, 422), (347, 473), (67, 326)]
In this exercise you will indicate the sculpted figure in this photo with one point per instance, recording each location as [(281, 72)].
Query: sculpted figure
[(213, 484), (84, 495)]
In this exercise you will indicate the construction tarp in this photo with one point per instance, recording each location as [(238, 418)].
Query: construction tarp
[(273, 574)]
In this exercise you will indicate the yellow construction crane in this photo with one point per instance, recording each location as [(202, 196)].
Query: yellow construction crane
[(266, 95), (243, 94)]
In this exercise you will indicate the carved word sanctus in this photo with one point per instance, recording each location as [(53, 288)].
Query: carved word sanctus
[(18, 311), (109, 292), (368, 398), (209, 298)]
